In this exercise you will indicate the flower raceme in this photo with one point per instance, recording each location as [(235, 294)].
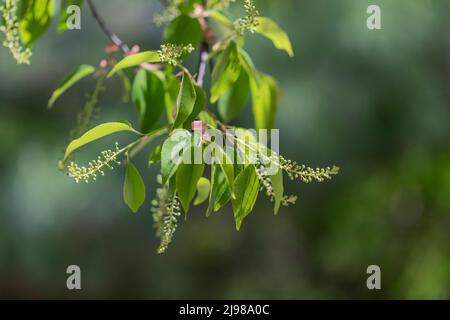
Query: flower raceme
[(250, 22), (172, 53), (9, 14)]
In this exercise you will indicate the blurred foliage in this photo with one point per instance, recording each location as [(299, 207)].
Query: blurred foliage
[(374, 102)]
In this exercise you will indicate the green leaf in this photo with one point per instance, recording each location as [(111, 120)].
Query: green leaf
[(234, 101), (226, 72), (208, 119), (264, 91), (199, 106), (223, 200), (148, 95), (222, 178), (220, 24), (155, 156), (246, 146), (96, 133), (172, 88), (203, 187), (246, 187), (183, 30), (226, 165), (220, 18), (78, 74), (278, 189), (186, 100), (269, 29), (174, 145), (265, 102), (35, 19), (238, 168), (63, 15), (219, 187), (248, 65), (133, 188), (135, 60), (188, 176)]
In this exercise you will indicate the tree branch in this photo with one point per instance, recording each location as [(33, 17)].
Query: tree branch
[(204, 51), (112, 36)]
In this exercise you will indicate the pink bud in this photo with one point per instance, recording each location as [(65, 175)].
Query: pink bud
[(134, 50), (199, 127), (111, 47), (103, 63)]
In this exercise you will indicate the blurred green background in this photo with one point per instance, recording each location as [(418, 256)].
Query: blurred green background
[(376, 103)]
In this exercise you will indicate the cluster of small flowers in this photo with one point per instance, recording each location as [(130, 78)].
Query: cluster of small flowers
[(264, 180), (165, 212), (159, 208), (289, 200), (94, 168), (250, 21), (170, 223), (266, 184), (11, 31), (171, 53), (307, 174)]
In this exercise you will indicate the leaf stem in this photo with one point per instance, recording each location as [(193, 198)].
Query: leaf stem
[(145, 140)]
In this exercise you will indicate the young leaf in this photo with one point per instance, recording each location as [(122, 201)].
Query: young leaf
[(35, 19), (269, 29), (278, 189), (265, 102), (219, 187), (188, 176), (238, 168), (246, 188), (133, 188), (221, 19), (226, 72), (174, 146), (155, 156), (208, 119), (203, 187), (264, 93), (225, 164), (148, 96), (246, 147), (172, 88), (248, 65), (223, 200), (135, 60), (186, 100), (183, 30), (233, 102), (78, 74), (96, 133), (199, 105)]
